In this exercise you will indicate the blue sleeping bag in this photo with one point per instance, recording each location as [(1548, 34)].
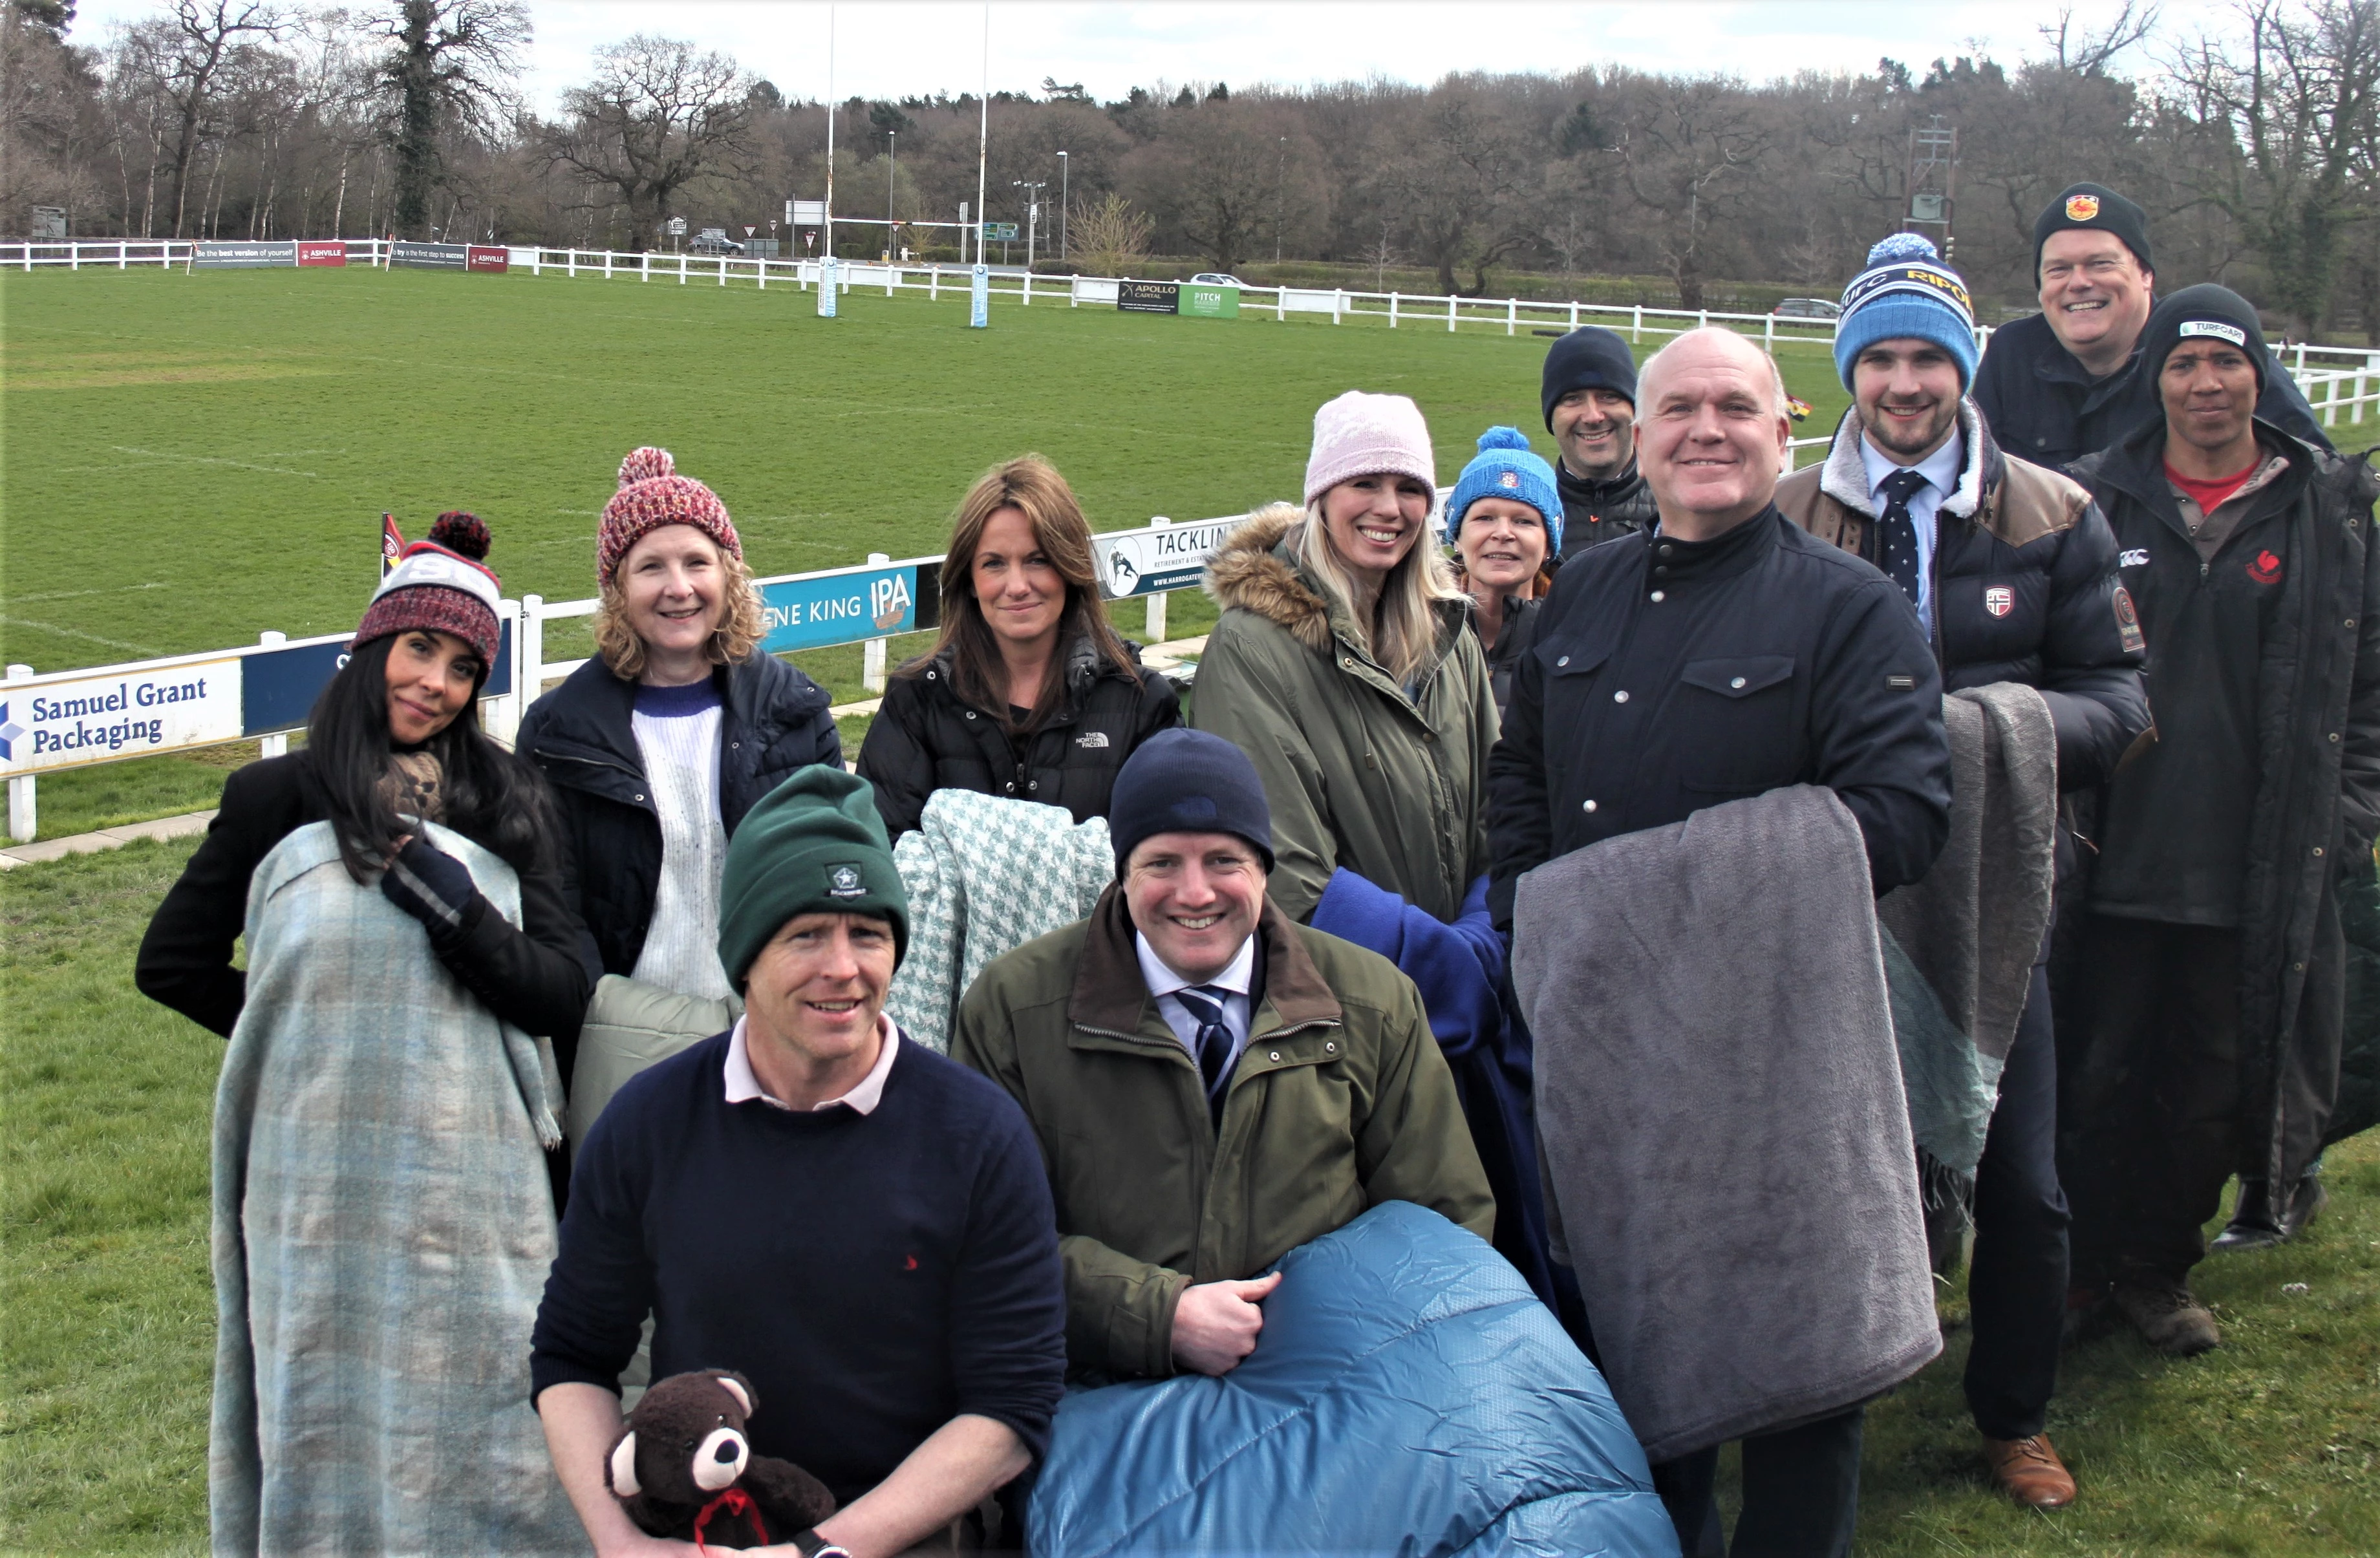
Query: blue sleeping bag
[(1410, 1396)]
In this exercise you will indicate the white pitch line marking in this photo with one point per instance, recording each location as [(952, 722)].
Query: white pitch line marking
[(211, 460), (144, 650)]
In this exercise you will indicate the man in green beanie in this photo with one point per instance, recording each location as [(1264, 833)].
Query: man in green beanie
[(860, 1226)]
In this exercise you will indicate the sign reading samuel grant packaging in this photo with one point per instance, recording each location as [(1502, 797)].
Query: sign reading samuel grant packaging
[(1148, 297), (214, 256), (66, 721), (431, 257)]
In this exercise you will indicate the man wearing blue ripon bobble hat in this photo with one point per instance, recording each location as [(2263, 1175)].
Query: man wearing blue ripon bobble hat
[(2012, 572)]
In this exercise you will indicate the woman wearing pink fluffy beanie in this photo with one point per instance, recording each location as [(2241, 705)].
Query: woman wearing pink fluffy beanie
[(1342, 667)]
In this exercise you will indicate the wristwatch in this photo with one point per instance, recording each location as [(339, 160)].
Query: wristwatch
[(813, 1545)]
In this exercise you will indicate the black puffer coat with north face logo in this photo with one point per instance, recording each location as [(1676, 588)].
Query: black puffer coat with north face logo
[(926, 738)]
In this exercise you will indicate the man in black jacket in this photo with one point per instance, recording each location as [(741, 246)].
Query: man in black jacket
[(2013, 571), (1726, 654), (2210, 969), (2068, 381), (1588, 394)]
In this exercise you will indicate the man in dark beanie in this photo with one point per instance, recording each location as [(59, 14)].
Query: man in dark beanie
[(2208, 979), (751, 1194), (2066, 382), (1589, 398), (1213, 1084)]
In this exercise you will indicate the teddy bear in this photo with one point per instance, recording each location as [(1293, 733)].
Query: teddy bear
[(683, 1468)]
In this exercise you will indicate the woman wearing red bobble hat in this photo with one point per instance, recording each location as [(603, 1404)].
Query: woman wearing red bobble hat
[(656, 748), (385, 1127)]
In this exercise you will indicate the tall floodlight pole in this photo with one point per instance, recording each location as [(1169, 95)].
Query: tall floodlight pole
[(829, 132), (1065, 183), (1032, 213), (980, 281), (891, 150)]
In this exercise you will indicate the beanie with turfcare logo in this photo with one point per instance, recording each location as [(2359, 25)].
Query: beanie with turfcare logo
[(441, 585), (2203, 312), (1906, 294), (814, 845), (653, 494), (1505, 467)]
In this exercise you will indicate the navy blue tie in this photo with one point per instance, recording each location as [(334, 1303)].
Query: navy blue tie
[(1898, 532), (1205, 1005)]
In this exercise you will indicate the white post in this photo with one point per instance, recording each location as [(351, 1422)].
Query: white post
[(1338, 302), (1573, 314), (1636, 327), (871, 653), (1028, 291), (531, 672), (22, 823), (1156, 626), (1768, 330), (645, 266), (276, 744), (681, 268), (1449, 313), (1393, 310), (1511, 316), (934, 284)]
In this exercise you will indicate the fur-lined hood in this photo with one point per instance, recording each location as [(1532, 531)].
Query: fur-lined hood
[(1250, 571), (1254, 570)]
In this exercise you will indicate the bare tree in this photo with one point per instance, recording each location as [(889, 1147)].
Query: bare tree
[(2088, 53), (450, 65), (2291, 125), (1460, 184), (1109, 235), (1690, 152), (1220, 175), (198, 42), (658, 114)]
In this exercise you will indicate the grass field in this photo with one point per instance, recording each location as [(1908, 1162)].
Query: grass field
[(191, 460), (2269, 1445)]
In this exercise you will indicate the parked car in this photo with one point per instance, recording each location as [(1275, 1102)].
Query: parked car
[(714, 240), (1215, 278), (1807, 309)]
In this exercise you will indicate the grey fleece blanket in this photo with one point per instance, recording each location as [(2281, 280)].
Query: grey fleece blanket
[(1720, 1113), (383, 1229), (1961, 943)]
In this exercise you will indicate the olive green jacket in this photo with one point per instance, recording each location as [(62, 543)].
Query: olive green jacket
[(1340, 1102), (1358, 772)]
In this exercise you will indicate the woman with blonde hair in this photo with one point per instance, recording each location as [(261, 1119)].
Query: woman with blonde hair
[(658, 746), (1342, 666), (1028, 693)]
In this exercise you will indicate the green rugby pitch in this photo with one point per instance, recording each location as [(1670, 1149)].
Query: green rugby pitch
[(192, 460)]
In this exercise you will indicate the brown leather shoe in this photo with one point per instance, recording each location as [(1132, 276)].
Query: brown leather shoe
[(2029, 1471)]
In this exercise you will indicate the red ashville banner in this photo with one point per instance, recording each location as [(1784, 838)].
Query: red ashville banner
[(480, 256), (332, 253)]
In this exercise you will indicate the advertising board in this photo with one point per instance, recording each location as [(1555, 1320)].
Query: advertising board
[(486, 256), (837, 607), (277, 687), (49, 221), (1148, 297), (1211, 302), (70, 721), (430, 256), (1161, 557), (243, 257), (331, 253)]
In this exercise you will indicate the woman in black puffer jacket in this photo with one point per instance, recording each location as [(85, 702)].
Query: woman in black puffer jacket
[(1029, 693)]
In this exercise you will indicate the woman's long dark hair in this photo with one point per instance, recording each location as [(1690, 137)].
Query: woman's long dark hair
[(491, 797)]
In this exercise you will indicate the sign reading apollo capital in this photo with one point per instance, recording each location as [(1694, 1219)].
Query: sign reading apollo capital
[(65, 721)]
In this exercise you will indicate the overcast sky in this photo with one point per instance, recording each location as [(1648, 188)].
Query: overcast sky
[(891, 50)]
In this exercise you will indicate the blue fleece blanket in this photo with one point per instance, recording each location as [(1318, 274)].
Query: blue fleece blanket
[(1410, 1396), (1459, 969)]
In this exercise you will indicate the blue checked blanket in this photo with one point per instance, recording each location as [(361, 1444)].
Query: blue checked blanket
[(383, 1227)]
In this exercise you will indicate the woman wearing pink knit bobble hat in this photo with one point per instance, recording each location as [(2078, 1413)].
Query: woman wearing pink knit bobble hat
[(656, 748), (1341, 666)]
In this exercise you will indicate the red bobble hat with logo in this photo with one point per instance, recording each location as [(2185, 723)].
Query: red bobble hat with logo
[(653, 494), (441, 585)]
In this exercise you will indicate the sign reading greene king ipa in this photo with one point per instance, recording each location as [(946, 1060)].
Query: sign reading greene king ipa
[(66, 721), (812, 613)]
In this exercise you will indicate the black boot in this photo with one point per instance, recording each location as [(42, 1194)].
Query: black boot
[(2253, 1225)]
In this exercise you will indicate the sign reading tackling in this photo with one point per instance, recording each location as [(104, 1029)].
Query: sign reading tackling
[(1161, 557)]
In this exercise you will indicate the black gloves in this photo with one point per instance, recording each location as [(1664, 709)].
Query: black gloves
[(435, 889)]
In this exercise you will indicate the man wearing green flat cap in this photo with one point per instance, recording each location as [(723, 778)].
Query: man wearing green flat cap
[(860, 1226)]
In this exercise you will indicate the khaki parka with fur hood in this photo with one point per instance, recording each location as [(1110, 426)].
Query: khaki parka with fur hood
[(1359, 772)]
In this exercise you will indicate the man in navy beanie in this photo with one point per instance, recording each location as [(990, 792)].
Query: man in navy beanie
[(2012, 574), (2067, 381), (1213, 1084), (1588, 394)]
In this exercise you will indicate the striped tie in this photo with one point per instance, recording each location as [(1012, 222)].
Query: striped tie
[(1205, 1005)]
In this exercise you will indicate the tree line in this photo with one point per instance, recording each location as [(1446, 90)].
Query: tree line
[(2254, 143)]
